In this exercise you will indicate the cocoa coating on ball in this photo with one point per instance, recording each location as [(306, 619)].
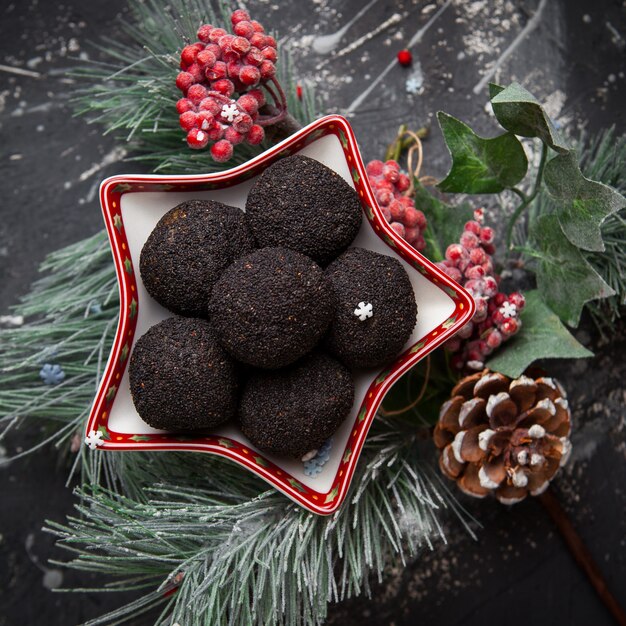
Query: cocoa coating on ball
[(189, 248), (271, 307), (360, 275), (291, 411), (181, 378), (301, 204)]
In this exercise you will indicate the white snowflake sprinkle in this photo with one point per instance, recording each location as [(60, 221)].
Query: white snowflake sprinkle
[(413, 85), (94, 439), (364, 311), (230, 111), (508, 309)]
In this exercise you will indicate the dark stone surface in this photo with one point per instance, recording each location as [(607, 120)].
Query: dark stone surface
[(51, 163)]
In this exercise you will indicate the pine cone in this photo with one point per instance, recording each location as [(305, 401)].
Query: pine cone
[(502, 436)]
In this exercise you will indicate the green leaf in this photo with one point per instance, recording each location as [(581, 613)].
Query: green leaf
[(141, 437), (105, 433), (445, 222), (542, 336), (521, 113), (584, 203), (124, 353), (296, 485), (331, 495), (133, 308), (564, 278), (480, 165), (111, 393)]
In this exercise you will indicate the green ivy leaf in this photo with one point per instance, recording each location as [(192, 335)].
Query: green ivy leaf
[(480, 165), (445, 222), (542, 336), (521, 113), (332, 494), (564, 278), (584, 203)]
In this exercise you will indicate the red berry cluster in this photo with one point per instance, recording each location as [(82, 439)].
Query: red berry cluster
[(497, 316), (215, 70), (389, 185)]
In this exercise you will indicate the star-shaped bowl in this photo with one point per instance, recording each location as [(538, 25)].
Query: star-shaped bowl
[(132, 205)]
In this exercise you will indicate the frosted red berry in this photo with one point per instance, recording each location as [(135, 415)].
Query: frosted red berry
[(187, 120), (249, 75), (184, 105), (222, 151), (398, 228), (255, 135), (197, 138), (243, 29), (184, 80), (267, 69), (239, 16)]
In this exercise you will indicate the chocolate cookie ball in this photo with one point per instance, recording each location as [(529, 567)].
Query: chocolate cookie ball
[(295, 410), (181, 378), (189, 248), (271, 307), (375, 312), (301, 204)]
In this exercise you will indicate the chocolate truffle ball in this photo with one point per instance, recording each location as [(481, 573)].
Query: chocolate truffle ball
[(295, 410), (301, 204), (271, 307), (181, 378), (191, 245), (375, 308)]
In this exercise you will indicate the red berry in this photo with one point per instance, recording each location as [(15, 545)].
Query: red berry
[(184, 80), (223, 86), (211, 105), (248, 104), (455, 252), (243, 123), (233, 68), (189, 54), (188, 120), (225, 42), (204, 32), (509, 327), (249, 75), (196, 93), (268, 70), (258, 40), (255, 135), (217, 71), (184, 105), (197, 72), (499, 299), (479, 215), (243, 29), (474, 272), (254, 57), (269, 53), (257, 26), (299, 91), (216, 34), (489, 248), (216, 131), (222, 150), (491, 286), (206, 58), (197, 138), (239, 16), (469, 240), (374, 168), (403, 183), (478, 256), (466, 331), (240, 45), (453, 273), (230, 134), (517, 299), (473, 227), (384, 197), (494, 339), (420, 243), (398, 228), (258, 95), (270, 41), (205, 120), (397, 211), (482, 310), (486, 234), (411, 218), (391, 174), (405, 58), (386, 213)]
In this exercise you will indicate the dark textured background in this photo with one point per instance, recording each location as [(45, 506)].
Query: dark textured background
[(518, 572)]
